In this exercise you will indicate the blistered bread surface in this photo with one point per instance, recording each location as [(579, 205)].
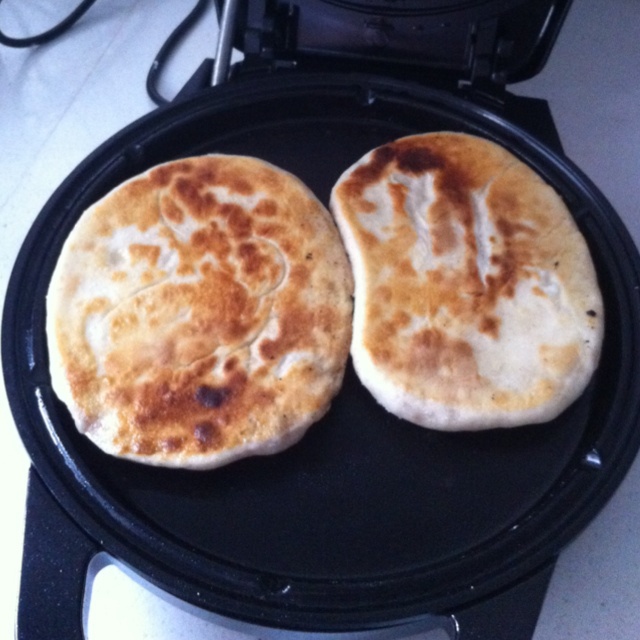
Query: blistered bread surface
[(199, 313), (476, 303)]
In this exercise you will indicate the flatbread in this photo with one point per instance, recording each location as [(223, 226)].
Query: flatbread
[(200, 313), (476, 300)]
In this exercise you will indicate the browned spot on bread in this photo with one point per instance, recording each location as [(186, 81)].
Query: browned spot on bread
[(299, 328), (383, 159), (161, 407), (489, 325), (162, 175), (442, 227), (266, 208), (170, 210), (119, 276), (172, 444), (256, 262), (269, 230), (144, 446), (231, 364), (299, 275), (239, 224), (199, 202), (435, 353)]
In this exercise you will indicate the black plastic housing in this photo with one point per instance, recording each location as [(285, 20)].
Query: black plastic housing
[(368, 523), (439, 42)]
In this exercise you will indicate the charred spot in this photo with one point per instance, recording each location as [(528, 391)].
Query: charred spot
[(591, 313), (454, 184), (207, 434), (380, 158), (409, 159), (418, 160), (371, 171), (212, 397)]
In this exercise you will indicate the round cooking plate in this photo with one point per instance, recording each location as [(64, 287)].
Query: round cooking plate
[(368, 520)]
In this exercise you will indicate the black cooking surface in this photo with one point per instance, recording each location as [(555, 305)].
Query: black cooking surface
[(364, 500), (363, 494), (338, 505)]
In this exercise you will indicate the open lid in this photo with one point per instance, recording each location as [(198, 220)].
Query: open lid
[(447, 43)]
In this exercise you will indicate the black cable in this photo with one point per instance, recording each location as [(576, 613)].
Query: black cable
[(167, 49), (52, 33)]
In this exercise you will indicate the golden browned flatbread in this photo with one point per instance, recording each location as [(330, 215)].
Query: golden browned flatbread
[(476, 300), (199, 313)]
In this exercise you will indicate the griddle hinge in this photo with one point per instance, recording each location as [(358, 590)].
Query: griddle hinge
[(489, 53), (269, 38)]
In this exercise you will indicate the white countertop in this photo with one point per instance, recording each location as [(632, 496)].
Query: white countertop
[(59, 101)]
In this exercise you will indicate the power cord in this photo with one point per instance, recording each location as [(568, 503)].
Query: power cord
[(156, 67), (52, 33), (167, 49)]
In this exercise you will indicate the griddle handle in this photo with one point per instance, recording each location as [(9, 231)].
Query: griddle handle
[(54, 569), (57, 554), (510, 615)]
